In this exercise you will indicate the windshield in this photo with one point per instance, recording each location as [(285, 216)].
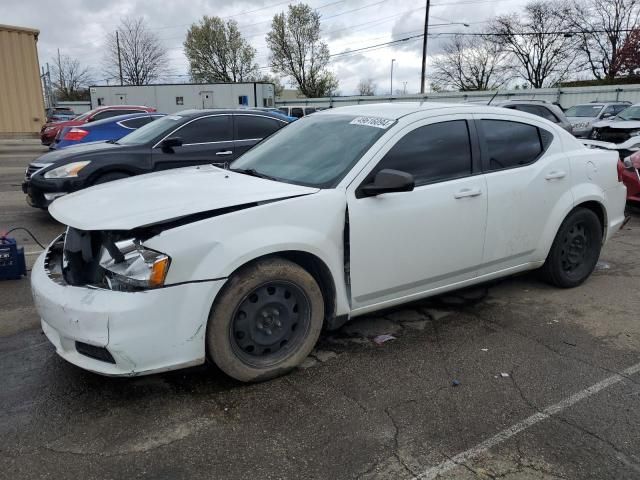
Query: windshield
[(151, 130), (85, 115), (584, 111), (631, 113), (315, 151)]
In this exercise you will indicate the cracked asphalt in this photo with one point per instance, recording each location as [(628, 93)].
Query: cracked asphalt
[(517, 348)]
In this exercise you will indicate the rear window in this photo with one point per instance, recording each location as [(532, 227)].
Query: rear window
[(136, 122)]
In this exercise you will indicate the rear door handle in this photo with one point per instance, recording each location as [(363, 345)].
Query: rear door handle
[(223, 153), (467, 192), (555, 175)]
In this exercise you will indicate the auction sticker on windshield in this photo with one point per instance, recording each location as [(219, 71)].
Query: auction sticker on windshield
[(376, 122)]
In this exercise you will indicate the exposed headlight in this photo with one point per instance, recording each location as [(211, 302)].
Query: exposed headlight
[(66, 171), (130, 266)]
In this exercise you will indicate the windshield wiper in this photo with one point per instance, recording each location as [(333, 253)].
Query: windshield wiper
[(253, 172)]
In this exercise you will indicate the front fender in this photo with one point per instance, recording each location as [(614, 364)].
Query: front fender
[(218, 246)]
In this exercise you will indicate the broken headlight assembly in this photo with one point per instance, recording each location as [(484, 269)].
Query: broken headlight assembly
[(129, 266)]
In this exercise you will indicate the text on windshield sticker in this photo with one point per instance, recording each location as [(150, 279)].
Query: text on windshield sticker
[(376, 122)]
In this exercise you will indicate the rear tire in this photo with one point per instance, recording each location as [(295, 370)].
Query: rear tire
[(110, 177), (265, 321), (575, 250)]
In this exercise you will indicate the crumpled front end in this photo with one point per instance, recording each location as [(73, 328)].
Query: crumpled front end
[(117, 332)]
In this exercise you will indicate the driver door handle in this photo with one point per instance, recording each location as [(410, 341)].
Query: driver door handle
[(468, 192), (223, 153), (555, 175)]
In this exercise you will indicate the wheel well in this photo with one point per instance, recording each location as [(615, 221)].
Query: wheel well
[(99, 173), (318, 270), (598, 209)]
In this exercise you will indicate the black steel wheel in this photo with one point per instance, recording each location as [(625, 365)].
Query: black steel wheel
[(265, 321), (575, 250), (270, 322)]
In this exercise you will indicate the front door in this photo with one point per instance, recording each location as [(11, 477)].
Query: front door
[(408, 243), (205, 140), (206, 99)]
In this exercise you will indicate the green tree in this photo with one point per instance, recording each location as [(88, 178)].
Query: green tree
[(217, 52), (298, 52)]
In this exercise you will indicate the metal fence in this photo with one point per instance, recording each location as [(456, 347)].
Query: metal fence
[(567, 97)]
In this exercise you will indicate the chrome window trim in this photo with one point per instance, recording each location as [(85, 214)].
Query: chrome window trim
[(191, 121)]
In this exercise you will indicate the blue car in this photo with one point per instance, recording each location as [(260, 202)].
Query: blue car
[(113, 128)]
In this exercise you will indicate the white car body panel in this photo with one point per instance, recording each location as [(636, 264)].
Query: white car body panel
[(155, 197), (402, 246)]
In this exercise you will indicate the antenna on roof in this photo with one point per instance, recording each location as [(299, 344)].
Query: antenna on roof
[(494, 96)]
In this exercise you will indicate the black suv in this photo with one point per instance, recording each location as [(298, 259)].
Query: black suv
[(191, 137)]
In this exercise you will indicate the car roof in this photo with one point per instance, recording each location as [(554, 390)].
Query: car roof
[(210, 111), (397, 110), (120, 118), (118, 107)]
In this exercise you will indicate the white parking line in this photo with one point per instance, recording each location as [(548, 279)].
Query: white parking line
[(455, 461)]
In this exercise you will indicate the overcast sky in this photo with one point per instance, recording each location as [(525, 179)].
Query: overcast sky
[(79, 27)]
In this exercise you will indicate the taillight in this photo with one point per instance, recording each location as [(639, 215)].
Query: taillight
[(75, 134)]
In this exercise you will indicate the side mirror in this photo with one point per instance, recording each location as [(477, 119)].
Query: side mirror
[(607, 115), (387, 181), (168, 144)]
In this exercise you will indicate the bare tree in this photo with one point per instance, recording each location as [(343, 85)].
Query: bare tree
[(217, 52), (70, 79), (542, 52), (367, 87), (603, 26), (142, 54), (471, 63), (298, 52)]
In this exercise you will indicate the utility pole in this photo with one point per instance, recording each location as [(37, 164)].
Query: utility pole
[(391, 88), (120, 58), (424, 45)]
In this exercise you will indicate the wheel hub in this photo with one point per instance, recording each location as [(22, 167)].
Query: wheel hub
[(575, 249), (267, 321)]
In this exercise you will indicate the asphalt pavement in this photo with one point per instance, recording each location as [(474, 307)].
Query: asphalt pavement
[(515, 379)]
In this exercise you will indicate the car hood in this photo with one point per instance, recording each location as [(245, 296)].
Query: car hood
[(581, 119), (163, 196), (57, 155), (622, 124)]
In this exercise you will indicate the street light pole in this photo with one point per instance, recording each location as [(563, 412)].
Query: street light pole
[(391, 88), (424, 45)]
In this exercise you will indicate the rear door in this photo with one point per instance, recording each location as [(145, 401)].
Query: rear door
[(205, 140), (527, 176), (250, 129)]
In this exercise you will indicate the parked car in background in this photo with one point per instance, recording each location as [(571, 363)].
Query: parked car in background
[(583, 116), (630, 173), (541, 108), (298, 111), (191, 137), (60, 114), (50, 130), (113, 128), (623, 130), (340, 214), (273, 110)]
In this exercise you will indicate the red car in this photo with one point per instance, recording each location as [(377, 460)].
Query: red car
[(629, 172), (50, 130)]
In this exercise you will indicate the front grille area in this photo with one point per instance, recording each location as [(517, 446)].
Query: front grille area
[(97, 353), (31, 169), (614, 135)]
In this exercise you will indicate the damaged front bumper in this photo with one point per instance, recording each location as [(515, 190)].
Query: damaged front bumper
[(122, 333)]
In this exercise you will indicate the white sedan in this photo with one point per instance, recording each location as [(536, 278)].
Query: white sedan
[(339, 214)]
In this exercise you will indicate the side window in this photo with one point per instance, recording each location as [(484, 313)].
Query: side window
[(250, 127), (284, 110), (136, 122), (179, 100), (437, 152), (618, 108), (206, 130), (309, 110), (538, 111), (512, 144), (297, 112)]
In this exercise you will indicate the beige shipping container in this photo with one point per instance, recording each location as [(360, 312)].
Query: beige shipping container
[(21, 99)]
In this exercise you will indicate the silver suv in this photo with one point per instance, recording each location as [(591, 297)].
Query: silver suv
[(583, 116), (541, 108)]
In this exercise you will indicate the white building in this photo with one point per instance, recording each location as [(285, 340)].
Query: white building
[(171, 98)]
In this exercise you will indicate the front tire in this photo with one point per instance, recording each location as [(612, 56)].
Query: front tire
[(575, 250), (265, 321)]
